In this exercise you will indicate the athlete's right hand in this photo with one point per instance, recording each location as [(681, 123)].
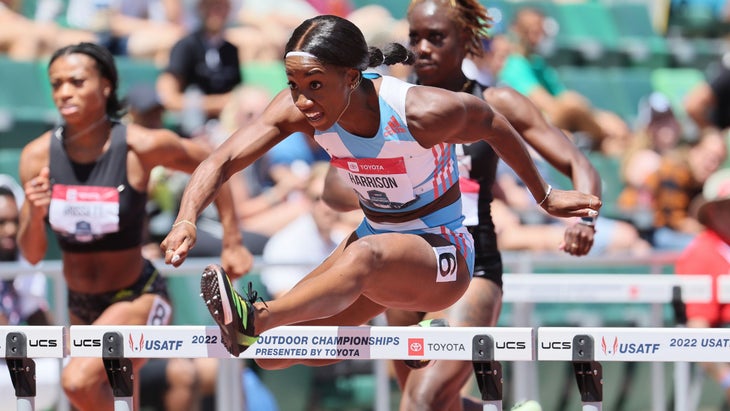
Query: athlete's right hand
[(38, 193)]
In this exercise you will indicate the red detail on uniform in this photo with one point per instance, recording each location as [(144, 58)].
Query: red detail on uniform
[(380, 166), (85, 193), (393, 127), (467, 185)]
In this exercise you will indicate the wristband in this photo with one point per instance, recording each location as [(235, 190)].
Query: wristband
[(589, 221), (547, 194), (188, 222)]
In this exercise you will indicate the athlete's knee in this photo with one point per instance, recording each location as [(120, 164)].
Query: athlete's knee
[(424, 397), (363, 254), (181, 373), (79, 385)]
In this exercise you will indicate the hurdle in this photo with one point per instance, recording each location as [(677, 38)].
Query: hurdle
[(484, 346), (588, 347), (22, 345), (655, 289)]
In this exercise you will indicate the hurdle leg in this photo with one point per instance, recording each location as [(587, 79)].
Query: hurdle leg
[(119, 371), (22, 370), (488, 372), (588, 373)]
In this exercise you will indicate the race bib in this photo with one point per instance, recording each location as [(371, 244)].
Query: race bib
[(469, 200), (84, 212), (447, 267), (380, 182)]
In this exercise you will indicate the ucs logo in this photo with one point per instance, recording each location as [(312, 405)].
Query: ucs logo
[(43, 342)]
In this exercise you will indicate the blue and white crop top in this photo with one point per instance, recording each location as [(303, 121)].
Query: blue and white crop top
[(93, 206), (391, 172)]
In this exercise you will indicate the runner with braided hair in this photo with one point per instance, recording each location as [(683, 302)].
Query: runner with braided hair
[(393, 142)]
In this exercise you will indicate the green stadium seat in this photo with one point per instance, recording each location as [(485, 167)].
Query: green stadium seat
[(631, 84), (588, 29), (270, 75), (397, 8), (609, 168), (637, 37), (25, 102), (26, 86), (10, 161), (135, 71), (592, 83), (675, 83)]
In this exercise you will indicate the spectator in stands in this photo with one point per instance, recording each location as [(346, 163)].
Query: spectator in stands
[(166, 185), (144, 29), (709, 254), (263, 205), (26, 39), (308, 240), (530, 74), (203, 69), (708, 103), (522, 227), (268, 23), (659, 134), (670, 189), (92, 156), (23, 299)]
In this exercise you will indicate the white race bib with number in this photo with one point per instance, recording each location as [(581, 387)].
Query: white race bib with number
[(84, 212)]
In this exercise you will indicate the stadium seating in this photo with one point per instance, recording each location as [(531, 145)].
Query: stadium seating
[(25, 101), (638, 40)]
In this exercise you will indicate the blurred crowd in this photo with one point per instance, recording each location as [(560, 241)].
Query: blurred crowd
[(202, 47), (662, 157)]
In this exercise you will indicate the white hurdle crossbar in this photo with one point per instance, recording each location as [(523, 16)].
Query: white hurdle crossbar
[(585, 347), (655, 289), (485, 347), (605, 288)]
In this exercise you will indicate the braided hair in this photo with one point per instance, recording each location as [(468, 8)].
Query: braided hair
[(469, 15)]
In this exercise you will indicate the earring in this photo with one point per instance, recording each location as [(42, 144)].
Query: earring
[(357, 83)]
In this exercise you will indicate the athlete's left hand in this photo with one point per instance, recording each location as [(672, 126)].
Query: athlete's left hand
[(571, 203), (236, 260), (578, 239), (178, 243)]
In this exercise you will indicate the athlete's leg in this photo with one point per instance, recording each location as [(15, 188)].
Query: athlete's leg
[(84, 379), (438, 387), (393, 270)]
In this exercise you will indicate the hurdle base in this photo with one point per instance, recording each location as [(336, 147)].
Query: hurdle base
[(22, 375), (487, 371), (121, 377)]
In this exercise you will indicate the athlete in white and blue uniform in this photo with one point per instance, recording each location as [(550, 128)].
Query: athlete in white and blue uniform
[(394, 176), (396, 142)]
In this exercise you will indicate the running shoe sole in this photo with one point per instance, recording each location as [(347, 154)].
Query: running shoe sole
[(220, 298)]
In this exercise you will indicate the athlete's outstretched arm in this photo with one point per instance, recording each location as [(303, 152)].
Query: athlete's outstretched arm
[(439, 116), (549, 141), (242, 148)]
